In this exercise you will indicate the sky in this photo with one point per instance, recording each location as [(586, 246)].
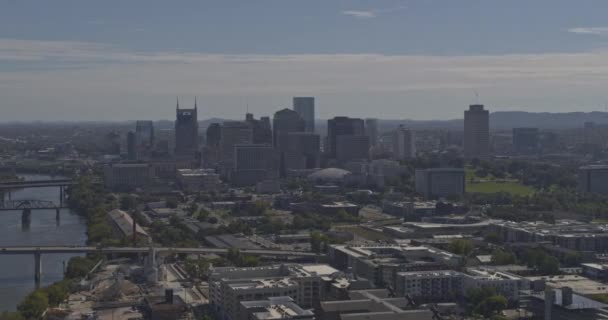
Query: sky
[(389, 59)]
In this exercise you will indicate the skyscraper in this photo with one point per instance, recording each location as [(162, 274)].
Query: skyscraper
[(233, 133), (262, 131), (476, 132), (303, 151), (525, 140), (305, 107), (186, 130), (131, 146), (371, 130), (352, 148), (404, 144), (339, 126), (254, 163), (145, 133), (284, 122)]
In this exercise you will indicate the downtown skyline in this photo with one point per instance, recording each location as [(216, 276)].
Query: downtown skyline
[(413, 59)]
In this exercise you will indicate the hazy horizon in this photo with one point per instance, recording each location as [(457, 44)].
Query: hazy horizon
[(416, 59)]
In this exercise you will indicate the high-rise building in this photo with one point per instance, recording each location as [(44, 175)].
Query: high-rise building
[(476, 132), (305, 107), (440, 182), (371, 130), (352, 147), (254, 163), (593, 179), (525, 140), (342, 126), (145, 133), (211, 151), (284, 122), (213, 135), (404, 144), (304, 151), (131, 146), (233, 133), (262, 131), (186, 130)]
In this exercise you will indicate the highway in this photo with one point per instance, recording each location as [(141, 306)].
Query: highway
[(161, 250)]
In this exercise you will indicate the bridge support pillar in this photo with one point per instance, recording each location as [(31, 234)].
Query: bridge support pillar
[(26, 217), (57, 214), (9, 195), (60, 196), (38, 269)]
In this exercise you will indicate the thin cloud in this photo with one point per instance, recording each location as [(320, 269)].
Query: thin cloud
[(596, 31), (360, 14), (370, 14)]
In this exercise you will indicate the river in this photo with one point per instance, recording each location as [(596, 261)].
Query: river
[(17, 271)]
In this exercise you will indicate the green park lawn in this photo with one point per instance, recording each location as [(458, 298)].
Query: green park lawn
[(514, 188), (489, 185)]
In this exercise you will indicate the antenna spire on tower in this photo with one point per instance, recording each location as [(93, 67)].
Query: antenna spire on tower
[(177, 104), (194, 102)]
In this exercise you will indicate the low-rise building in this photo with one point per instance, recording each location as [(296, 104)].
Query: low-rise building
[(440, 182), (305, 284), (127, 175), (274, 308), (194, 180), (122, 225), (380, 263)]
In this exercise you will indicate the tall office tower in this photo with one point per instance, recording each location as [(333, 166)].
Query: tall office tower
[(254, 163), (211, 151), (284, 122), (305, 107), (145, 133), (213, 135), (304, 150), (262, 131), (186, 130), (371, 130), (593, 179), (341, 126), (525, 140), (233, 133), (352, 148), (476, 132), (131, 146), (404, 143)]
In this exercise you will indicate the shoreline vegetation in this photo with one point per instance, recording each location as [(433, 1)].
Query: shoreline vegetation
[(88, 200)]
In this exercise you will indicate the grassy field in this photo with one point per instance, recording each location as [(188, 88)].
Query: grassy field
[(488, 184), (515, 188)]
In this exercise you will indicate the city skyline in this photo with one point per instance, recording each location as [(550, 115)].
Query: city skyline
[(405, 59)]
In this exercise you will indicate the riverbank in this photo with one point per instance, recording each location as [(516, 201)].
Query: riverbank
[(17, 272)]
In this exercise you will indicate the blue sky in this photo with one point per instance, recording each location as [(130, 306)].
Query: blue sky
[(395, 59)]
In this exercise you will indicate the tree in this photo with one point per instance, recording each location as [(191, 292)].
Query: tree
[(316, 239), (57, 292), (127, 202), (500, 257), (78, 267), (461, 246), (491, 306), (34, 305), (172, 202), (572, 259), (493, 237), (11, 316)]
